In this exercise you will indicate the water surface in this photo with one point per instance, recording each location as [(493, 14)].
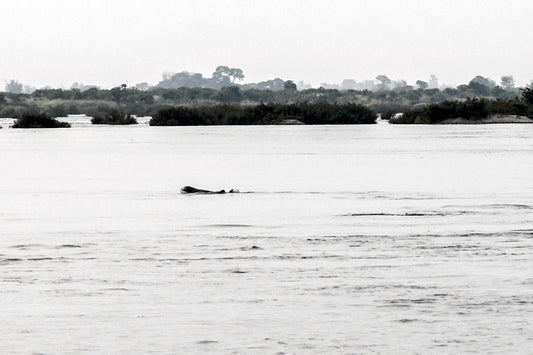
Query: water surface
[(351, 239)]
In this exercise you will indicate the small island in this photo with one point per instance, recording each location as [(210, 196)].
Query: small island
[(42, 120), (265, 114), (471, 111), (114, 117)]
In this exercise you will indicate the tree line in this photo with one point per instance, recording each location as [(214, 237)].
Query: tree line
[(97, 102), (472, 109), (382, 95)]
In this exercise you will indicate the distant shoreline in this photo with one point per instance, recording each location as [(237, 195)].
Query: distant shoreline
[(494, 119)]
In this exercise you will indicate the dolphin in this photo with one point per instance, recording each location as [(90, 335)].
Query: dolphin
[(194, 190)]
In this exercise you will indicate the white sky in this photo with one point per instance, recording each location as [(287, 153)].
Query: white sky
[(110, 42)]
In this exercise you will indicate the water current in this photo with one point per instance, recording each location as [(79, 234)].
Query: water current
[(344, 239)]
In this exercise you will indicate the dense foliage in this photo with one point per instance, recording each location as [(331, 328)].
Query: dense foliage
[(225, 114), (97, 102), (38, 121), (470, 109), (527, 94), (219, 100), (114, 117)]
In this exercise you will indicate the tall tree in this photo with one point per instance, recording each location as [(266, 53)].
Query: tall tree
[(507, 82), (14, 87), (422, 85), (118, 93), (383, 82), (289, 85), (478, 79), (433, 82), (348, 84), (225, 75)]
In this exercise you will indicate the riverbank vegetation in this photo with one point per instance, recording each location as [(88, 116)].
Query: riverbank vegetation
[(225, 114), (381, 95), (114, 117), (208, 100), (473, 110), (38, 121)]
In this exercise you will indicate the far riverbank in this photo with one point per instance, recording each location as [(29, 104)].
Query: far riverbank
[(490, 120)]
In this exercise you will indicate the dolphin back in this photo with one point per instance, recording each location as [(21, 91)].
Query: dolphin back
[(193, 190)]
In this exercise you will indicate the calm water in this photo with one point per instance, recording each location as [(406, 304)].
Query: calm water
[(354, 239)]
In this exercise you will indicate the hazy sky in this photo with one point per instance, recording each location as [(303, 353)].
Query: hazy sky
[(110, 42)]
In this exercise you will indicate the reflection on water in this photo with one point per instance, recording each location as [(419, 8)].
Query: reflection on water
[(352, 239)]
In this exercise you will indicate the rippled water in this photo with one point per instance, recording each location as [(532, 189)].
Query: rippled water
[(350, 239)]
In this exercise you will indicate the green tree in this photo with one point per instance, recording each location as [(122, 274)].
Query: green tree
[(183, 79), (14, 87), (483, 81), (289, 85), (527, 94), (118, 93), (229, 94), (498, 92), (433, 82), (507, 82), (225, 75), (383, 82), (479, 89), (236, 73), (422, 85)]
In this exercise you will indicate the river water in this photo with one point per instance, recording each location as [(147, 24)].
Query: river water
[(344, 239)]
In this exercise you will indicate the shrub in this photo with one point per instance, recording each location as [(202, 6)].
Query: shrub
[(99, 110), (38, 121), (471, 109), (176, 116), (12, 111), (114, 117)]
